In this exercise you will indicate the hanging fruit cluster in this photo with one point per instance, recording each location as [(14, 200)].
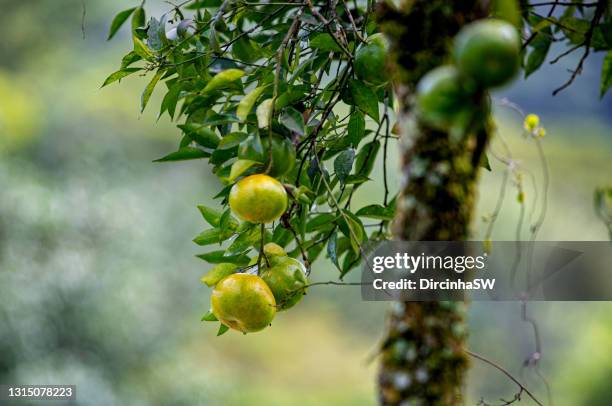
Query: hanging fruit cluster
[(247, 299), (486, 55)]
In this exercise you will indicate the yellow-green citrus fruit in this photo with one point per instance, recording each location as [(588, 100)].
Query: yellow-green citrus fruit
[(286, 277), (274, 250), (444, 98), (243, 302), (370, 61), (283, 154), (488, 51), (258, 199)]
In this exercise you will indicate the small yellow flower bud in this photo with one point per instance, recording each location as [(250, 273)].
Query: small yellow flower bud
[(521, 197), (541, 132), (531, 122)]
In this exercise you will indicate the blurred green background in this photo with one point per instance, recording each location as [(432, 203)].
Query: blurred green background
[(99, 285)]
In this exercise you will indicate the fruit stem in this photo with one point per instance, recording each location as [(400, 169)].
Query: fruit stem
[(261, 250)]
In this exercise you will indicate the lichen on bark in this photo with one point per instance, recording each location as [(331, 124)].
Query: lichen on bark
[(422, 360)]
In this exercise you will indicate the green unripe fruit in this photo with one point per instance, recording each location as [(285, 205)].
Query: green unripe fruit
[(370, 61), (283, 155), (488, 51), (444, 98), (256, 148), (286, 278)]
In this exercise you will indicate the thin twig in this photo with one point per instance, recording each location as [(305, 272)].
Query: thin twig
[(563, 3), (588, 36), (505, 372), (83, 14)]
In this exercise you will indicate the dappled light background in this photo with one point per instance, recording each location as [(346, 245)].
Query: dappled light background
[(99, 283)]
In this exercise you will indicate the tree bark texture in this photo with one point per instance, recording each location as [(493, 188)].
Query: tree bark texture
[(422, 360)]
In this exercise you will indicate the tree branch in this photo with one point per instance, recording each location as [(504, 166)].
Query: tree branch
[(505, 372)]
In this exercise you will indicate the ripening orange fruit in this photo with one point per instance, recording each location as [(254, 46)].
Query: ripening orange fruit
[(258, 199), (243, 302)]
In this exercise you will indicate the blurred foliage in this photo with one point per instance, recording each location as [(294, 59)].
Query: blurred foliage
[(19, 113), (99, 287)]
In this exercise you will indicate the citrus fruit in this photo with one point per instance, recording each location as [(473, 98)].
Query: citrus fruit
[(274, 250), (258, 199), (243, 302), (255, 148), (488, 51), (286, 278), (443, 98), (370, 60)]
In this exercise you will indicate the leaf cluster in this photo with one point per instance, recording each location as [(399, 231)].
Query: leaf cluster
[(236, 73)]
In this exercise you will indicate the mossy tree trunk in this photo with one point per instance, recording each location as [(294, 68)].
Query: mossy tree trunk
[(422, 360)]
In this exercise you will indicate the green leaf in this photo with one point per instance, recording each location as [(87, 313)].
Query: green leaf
[(120, 74), (141, 49), (184, 154), (541, 24), (239, 167), (292, 95), (170, 100), (118, 22), (224, 193), (200, 134), (219, 119), (343, 164), (602, 199), (606, 74), (146, 94), (217, 273), (222, 329), (351, 259), (366, 158), (293, 120), (252, 149), (364, 98), (324, 42), (130, 58), (375, 211), (227, 221), (574, 28), (231, 140), (209, 316), (207, 237), (352, 228), (204, 4), (156, 34), (245, 240), (221, 156), (138, 19), (223, 79), (320, 221), (356, 179), (245, 50), (356, 128), (332, 251), (540, 45), (248, 101), (212, 216), (219, 257), (484, 162), (264, 113)]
